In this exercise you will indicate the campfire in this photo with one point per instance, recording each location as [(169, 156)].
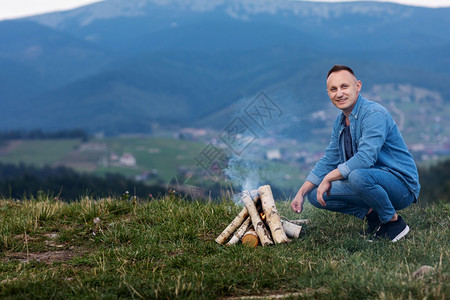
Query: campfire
[(259, 222)]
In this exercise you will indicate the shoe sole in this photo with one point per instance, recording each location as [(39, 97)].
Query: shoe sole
[(401, 234)]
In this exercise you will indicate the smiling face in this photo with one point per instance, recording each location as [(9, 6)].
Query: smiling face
[(343, 89)]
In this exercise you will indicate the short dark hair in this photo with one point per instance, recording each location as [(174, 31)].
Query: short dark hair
[(337, 68)]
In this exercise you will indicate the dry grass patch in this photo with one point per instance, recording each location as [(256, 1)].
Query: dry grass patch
[(47, 257)]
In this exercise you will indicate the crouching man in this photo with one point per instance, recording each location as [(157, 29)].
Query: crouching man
[(367, 170)]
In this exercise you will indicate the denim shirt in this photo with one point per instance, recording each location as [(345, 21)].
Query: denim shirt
[(377, 143)]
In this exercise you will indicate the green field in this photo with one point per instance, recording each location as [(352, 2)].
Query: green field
[(38, 152), (165, 249), (161, 154), (164, 157)]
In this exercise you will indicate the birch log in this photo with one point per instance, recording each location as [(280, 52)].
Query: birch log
[(240, 232), (292, 230), (238, 220), (272, 217), (260, 228), (300, 221)]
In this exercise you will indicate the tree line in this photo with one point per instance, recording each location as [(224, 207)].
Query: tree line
[(435, 181), (24, 182), (38, 134)]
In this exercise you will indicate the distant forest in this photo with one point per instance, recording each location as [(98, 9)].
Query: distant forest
[(38, 134), (435, 181), (25, 182)]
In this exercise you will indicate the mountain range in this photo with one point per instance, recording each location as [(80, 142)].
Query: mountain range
[(130, 66)]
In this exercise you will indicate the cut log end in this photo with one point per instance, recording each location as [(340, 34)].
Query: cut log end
[(250, 238)]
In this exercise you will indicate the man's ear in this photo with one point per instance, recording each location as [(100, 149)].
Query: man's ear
[(359, 85)]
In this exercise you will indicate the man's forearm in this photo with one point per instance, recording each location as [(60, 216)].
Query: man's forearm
[(306, 188), (297, 203), (333, 176)]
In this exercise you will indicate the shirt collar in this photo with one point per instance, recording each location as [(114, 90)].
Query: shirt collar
[(355, 110), (357, 107)]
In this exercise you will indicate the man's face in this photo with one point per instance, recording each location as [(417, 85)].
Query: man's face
[(343, 90)]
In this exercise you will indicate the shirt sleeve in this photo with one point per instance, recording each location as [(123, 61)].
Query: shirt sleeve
[(374, 127), (329, 161)]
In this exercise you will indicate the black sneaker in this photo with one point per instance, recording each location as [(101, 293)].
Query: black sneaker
[(373, 222), (393, 231)]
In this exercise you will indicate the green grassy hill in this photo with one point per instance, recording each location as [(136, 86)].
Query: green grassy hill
[(165, 249)]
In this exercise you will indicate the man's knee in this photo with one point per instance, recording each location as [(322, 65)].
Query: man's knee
[(358, 179), (355, 177)]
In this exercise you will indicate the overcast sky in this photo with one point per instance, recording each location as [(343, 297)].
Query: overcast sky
[(10, 9)]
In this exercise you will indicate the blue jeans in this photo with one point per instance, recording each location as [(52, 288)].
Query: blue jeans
[(366, 188)]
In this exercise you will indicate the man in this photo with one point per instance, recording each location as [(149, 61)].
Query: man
[(367, 170)]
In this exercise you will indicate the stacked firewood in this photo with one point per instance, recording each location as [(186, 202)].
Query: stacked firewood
[(259, 222)]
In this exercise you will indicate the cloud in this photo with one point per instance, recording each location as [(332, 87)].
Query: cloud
[(24, 8)]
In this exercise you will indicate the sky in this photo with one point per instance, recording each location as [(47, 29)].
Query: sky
[(11, 9)]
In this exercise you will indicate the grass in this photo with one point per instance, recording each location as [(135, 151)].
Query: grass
[(165, 249)]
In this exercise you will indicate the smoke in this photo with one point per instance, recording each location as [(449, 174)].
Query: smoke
[(249, 169), (244, 172)]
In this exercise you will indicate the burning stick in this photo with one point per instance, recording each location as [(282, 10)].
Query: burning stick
[(240, 232), (272, 217), (260, 228)]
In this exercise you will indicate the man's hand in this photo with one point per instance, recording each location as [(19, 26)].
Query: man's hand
[(324, 187), (297, 203)]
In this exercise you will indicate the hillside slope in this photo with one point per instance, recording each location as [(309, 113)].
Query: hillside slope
[(118, 66), (165, 248)]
